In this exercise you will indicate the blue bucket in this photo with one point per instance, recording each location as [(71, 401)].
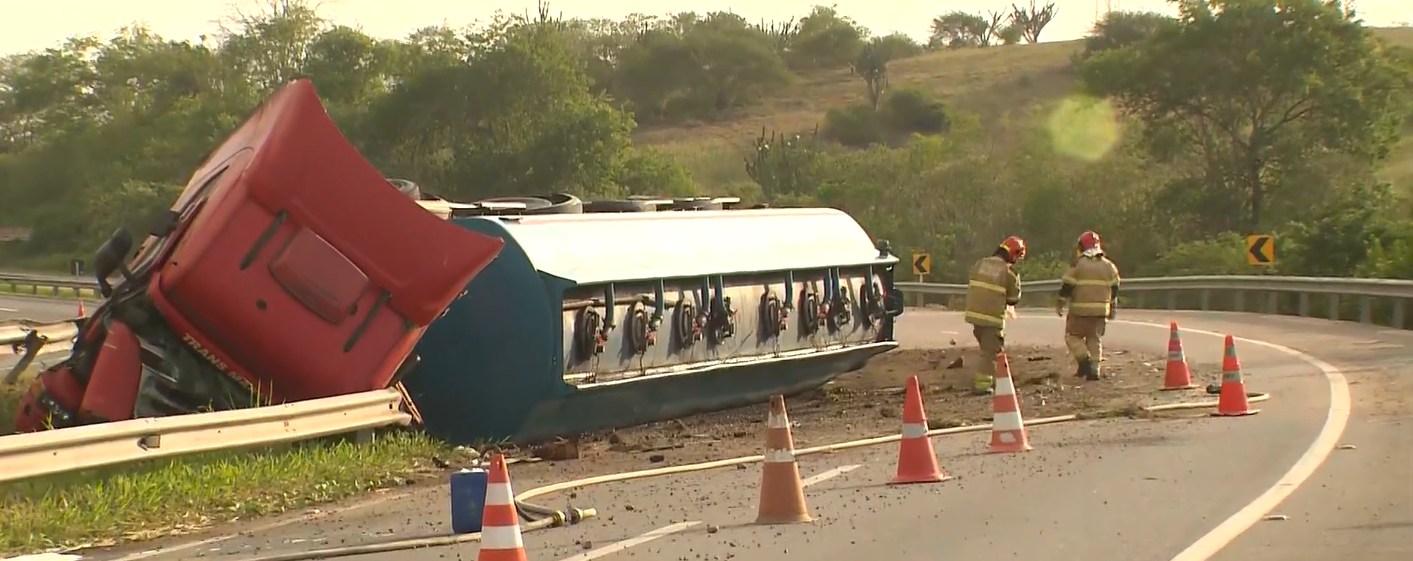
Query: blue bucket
[(468, 500)]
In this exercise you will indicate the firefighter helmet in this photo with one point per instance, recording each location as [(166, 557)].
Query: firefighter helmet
[(1088, 240), (1015, 248)]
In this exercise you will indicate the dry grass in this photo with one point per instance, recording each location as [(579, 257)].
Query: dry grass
[(989, 82)]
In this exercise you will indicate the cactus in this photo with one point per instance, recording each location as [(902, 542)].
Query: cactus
[(780, 162), (780, 34)]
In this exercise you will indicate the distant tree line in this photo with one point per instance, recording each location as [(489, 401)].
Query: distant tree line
[(1181, 133)]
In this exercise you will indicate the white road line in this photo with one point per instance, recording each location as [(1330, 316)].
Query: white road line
[(826, 476), (13, 311), (179, 547), (678, 527), (1336, 418), (44, 557), (625, 544)]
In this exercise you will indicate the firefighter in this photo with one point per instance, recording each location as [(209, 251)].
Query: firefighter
[(1090, 291), (993, 290)]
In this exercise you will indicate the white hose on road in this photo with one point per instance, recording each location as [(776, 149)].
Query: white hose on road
[(559, 518)]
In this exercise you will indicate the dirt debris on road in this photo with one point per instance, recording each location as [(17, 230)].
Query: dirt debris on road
[(858, 405), (868, 403)]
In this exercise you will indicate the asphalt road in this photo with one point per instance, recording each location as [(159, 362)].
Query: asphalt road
[(38, 309), (1158, 490)]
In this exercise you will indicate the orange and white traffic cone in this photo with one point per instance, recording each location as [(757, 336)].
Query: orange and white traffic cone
[(782, 494), (917, 462), (1232, 402), (81, 313), (1007, 427), (500, 525), (1177, 375)]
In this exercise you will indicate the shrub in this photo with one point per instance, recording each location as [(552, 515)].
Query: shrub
[(855, 126), (911, 110), (645, 171)]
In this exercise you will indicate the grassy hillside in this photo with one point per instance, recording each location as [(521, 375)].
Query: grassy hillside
[(989, 82)]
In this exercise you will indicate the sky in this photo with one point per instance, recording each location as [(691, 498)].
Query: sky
[(38, 25)]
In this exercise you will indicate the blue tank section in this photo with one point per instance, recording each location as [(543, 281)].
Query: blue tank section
[(603, 320)]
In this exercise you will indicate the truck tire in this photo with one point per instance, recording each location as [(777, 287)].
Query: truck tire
[(619, 206)]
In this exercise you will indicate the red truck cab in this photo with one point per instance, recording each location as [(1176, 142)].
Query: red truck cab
[(288, 269)]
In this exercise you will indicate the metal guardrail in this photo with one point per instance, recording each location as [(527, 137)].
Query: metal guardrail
[(59, 451), (53, 282), (31, 339), (1369, 294)]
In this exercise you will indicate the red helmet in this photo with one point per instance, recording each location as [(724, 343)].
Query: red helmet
[(1015, 248), (1088, 240)]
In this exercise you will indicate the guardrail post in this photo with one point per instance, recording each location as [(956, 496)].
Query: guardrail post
[(34, 289), (1273, 302), (1239, 301), (1366, 309), (1304, 304), (1399, 308), (1206, 300), (1172, 299), (1334, 307)]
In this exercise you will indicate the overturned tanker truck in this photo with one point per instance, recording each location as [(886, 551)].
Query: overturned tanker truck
[(532, 317)]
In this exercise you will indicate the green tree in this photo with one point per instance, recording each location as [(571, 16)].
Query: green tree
[(826, 39), (1244, 89), (518, 118), (696, 66), (1121, 29), (958, 29)]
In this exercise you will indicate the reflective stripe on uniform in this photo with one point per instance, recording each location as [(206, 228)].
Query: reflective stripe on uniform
[(978, 318), (987, 286), (1083, 282)]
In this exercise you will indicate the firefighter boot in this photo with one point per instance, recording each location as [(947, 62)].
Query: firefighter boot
[(1090, 370), (983, 384)]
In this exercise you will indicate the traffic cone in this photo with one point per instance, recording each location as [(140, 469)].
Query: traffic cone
[(1178, 376), (782, 495), (81, 313), (500, 526), (1232, 402), (1007, 428), (917, 462)]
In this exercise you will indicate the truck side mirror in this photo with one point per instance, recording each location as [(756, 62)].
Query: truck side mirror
[(893, 303), (110, 258)]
